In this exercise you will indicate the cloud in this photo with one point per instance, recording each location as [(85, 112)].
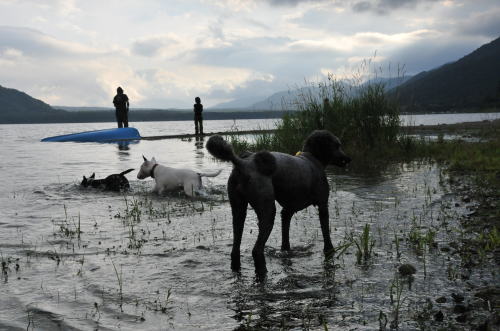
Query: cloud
[(376, 6), (153, 46), (37, 44), (285, 3), (377, 39), (61, 7), (428, 54), (383, 7), (485, 24), (256, 53), (247, 94)]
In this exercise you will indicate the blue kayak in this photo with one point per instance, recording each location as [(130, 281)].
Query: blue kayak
[(107, 135)]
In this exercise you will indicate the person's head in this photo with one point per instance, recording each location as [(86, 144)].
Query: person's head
[(197, 99), (119, 90)]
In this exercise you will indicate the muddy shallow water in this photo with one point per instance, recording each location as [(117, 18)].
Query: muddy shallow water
[(85, 259)]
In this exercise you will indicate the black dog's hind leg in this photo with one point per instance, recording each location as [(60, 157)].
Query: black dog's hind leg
[(286, 217), (325, 227), (239, 211), (265, 214), (239, 206)]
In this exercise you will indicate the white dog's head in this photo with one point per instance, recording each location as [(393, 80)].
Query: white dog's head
[(146, 168)]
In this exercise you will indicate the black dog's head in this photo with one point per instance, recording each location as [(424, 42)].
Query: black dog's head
[(327, 148), (86, 182)]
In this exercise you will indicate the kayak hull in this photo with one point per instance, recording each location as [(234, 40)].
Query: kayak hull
[(106, 135)]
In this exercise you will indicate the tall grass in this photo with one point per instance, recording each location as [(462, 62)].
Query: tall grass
[(362, 116)]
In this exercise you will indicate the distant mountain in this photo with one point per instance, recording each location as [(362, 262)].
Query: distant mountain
[(388, 82), (12, 100), (471, 82), (287, 100), (19, 107), (240, 103)]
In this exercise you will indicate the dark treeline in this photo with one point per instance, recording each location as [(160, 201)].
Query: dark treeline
[(61, 116)]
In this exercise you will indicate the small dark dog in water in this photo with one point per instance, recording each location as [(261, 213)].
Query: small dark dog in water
[(295, 182), (115, 182)]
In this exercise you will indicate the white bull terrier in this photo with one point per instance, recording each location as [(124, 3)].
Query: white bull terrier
[(169, 179)]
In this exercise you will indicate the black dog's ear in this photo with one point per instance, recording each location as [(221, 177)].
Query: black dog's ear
[(144, 158), (93, 175)]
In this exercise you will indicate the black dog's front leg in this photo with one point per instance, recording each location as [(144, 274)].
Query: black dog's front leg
[(286, 217), (325, 227)]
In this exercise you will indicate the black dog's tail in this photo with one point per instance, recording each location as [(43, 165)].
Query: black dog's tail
[(125, 172), (221, 149)]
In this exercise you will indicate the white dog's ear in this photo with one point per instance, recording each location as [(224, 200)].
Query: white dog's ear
[(144, 158), (153, 159)]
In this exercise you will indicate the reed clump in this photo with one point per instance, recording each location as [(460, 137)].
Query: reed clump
[(363, 116)]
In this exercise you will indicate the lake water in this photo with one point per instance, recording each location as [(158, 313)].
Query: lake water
[(433, 119), (85, 259)]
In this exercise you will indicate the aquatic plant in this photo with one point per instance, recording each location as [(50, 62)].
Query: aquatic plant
[(119, 279), (31, 321), (491, 240), (488, 242), (6, 262), (339, 251), (81, 261), (162, 304), (419, 239), (364, 244), (382, 320), (396, 241), (397, 300), (68, 229), (134, 212), (95, 313), (422, 242)]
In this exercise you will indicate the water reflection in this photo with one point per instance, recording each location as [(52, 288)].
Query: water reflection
[(123, 145), (123, 150), (199, 144)]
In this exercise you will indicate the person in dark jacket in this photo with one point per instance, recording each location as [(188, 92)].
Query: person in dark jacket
[(198, 118), (121, 105)]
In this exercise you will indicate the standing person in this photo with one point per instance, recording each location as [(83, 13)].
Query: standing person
[(198, 118), (121, 105)]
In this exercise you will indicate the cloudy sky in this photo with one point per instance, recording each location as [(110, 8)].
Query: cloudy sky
[(165, 52)]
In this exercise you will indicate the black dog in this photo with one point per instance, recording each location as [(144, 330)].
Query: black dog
[(296, 182), (115, 182)]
